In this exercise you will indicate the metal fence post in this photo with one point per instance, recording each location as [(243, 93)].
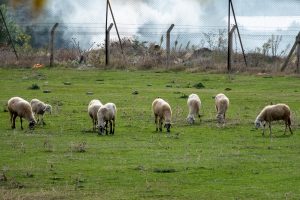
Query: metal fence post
[(230, 43), (9, 36), (107, 44), (52, 44), (298, 57), (168, 44), (297, 42)]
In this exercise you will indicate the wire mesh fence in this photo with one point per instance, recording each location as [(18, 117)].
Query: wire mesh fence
[(198, 41)]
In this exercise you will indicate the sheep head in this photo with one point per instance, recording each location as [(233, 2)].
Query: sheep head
[(190, 119), (101, 128), (258, 123), (32, 124), (48, 108), (168, 127)]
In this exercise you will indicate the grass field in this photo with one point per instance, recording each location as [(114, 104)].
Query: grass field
[(66, 160)]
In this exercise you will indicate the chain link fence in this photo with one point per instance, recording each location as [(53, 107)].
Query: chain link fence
[(198, 41)]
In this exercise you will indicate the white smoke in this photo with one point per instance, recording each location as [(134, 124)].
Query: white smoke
[(149, 19)]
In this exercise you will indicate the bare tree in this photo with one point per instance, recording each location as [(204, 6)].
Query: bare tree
[(275, 41)]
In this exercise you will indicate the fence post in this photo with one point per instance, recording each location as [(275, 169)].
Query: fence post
[(168, 44), (9, 36), (107, 44), (52, 44), (297, 42), (230, 44), (237, 29), (298, 56)]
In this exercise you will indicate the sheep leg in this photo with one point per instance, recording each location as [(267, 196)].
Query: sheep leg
[(110, 127), (285, 128), (290, 130), (106, 131), (155, 120), (38, 119), (270, 129), (42, 120), (94, 124), (21, 123), (288, 123), (11, 118), (113, 128), (14, 121), (263, 133), (160, 124)]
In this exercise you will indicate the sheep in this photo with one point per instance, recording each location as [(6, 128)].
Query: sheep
[(194, 104), (274, 113), (107, 114), (222, 104), (93, 108), (20, 107), (39, 108), (162, 110)]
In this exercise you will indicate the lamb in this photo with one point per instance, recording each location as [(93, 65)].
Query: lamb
[(222, 104), (194, 104), (162, 110), (20, 107), (93, 108), (107, 114), (274, 113), (39, 108)]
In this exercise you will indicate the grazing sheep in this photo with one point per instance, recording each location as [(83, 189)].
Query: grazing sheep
[(222, 103), (39, 108), (93, 108), (19, 107), (107, 114), (194, 104), (162, 110), (274, 113)]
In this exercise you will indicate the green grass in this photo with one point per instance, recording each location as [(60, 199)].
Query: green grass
[(66, 160)]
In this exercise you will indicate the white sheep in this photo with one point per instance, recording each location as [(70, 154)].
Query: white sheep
[(39, 108), (274, 113), (93, 108), (107, 115), (162, 111), (20, 107), (194, 105), (222, 104)]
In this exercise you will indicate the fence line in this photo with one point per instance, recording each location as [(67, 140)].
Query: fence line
[(190, 46)]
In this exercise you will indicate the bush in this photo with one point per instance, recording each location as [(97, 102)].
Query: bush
[(34, 87), (199, 85)]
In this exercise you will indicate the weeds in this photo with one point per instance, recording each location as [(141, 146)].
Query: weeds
[(164, 170), (199, 85), (48, 147), (78, 147), (184, 96), (78, 182), (34, 86)]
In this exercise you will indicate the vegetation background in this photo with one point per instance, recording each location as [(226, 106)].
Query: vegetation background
[(66, 160)]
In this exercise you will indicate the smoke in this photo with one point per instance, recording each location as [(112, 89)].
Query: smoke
[(146, 19), (149, 19)]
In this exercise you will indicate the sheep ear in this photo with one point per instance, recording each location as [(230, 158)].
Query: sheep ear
[(45, 108)]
